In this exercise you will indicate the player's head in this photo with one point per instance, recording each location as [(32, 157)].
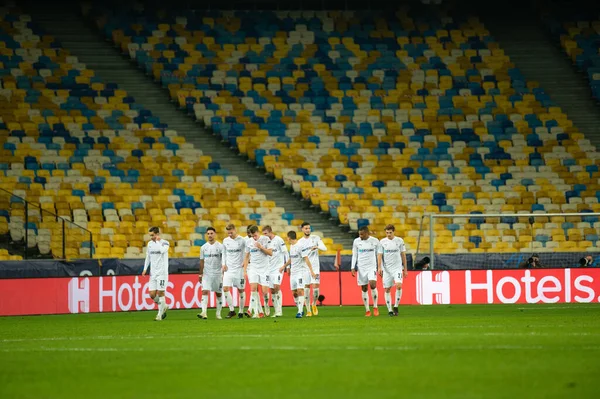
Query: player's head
[(211, 233), (363, 232), (231, 231), (305, 227), (268, 231), (253, 232), (154, 233), (291, 235), (389, 231), (248, 233)]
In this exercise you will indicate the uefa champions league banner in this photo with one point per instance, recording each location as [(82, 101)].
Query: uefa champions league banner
[(130, 293)]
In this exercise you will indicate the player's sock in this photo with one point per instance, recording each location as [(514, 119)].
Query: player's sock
[(253, 299), (374, 296), (259, 308), (204, 303), (219, 304), (242, 301), (365, 297), (300, 304), (388, 300), (307, 298), (398, 296), (296, 299), (229, 300), (161, 306), (275, 302), (280, 301), (156, 299), (315, 295)]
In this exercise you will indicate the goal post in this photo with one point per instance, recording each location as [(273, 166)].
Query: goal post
[(507, 240)]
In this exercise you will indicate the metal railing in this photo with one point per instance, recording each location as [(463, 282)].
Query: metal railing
[(30, 231)]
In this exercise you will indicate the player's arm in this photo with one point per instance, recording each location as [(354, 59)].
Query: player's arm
[(404, 264), (310, 268), (354, 259), (201, 265), (147, 261), (285, 265), (164, 246), (321, 245), (246, 261), (380, 264), (264, 250), (223, 265)]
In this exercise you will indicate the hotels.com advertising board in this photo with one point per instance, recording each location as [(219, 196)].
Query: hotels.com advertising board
[(130, 293)]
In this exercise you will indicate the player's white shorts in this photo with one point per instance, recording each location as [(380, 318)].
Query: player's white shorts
[(391, 278), (234, 278), (364, 276), (299, 280), (273, 279), (158, 282), (316, 279), (212, 283), (255, 277)]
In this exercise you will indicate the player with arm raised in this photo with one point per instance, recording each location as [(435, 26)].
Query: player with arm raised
[(212, 266), (157, 256), (235, 250), (311, 245), (301, 271), (391, 260), (256, 265), (364, 259), (275, 276)]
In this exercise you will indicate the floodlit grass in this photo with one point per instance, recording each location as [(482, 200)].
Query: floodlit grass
[(517, 351)]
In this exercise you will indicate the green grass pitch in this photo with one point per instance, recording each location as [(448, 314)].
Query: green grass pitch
[(496, 351)]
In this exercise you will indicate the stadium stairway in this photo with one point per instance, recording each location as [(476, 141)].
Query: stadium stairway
[(110, 65), (532, 51)]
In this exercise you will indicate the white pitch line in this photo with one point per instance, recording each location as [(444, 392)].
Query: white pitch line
[(304, 348), (596, 307), (217, 335)]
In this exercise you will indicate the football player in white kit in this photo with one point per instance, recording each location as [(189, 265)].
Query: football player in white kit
[(212, 266), (157, 256), (274, 275), (235, 250), (248, 240), (311, 245), (301, 272), (364, 259), (256, 265), (391, 261)]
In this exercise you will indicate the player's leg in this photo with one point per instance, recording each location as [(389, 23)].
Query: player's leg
[(253, 279), (363, 282), (388, 283), (398, 297), (374, 293), (315, 284), (279, 294), (227, 286), (266, 289), (307, 300), (276, 302), (219, 293), (160, 287), (204, 303), (240, 284)]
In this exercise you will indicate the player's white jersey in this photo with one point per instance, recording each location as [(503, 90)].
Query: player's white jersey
[(364, 253), (313, 254), (235, 250), (298, 264), (259, 261), (212, 254), (280, 254), (157, 256), (391, 250)]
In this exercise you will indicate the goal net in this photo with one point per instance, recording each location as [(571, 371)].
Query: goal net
[(491, 241)]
